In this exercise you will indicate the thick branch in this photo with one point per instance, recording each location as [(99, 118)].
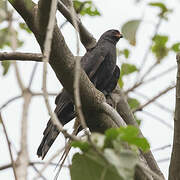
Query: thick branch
[(86, 37), (174, 170)]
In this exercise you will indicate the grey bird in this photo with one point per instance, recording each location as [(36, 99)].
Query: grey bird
[(99, 63)]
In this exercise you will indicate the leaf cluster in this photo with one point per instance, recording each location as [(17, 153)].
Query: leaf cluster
[(86, 8), (111, 158)]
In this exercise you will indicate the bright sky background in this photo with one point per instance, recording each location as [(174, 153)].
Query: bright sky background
[(114, 14)]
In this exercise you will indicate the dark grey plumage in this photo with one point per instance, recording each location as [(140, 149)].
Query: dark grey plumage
[(99, 63)]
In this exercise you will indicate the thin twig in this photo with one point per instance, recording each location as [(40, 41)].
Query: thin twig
[(149, 48), (162, 148), (9, 101), (20, 96), (140, 108), (163, 160), (9, 147), (46, 164), (155, 102), (157, 76), (166, 72), (68, 147), (40, 175), (158, 119), (140, 82), (149, 70), (32, 75), (7, 166)]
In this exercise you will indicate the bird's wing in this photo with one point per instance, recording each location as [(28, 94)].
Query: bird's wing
[(112, 83), (92, 60)]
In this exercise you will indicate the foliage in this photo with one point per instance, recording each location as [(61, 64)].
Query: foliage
[(159, 47), (24, 27), (176, 47), (133, 103), (163, 9), (5, 65), (86, 8), (108, 158), (129, 30), (129, 134), (3, 11), (126, 69), (124, 52)]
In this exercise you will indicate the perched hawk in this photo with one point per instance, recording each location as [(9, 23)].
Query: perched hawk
[(99, 63)]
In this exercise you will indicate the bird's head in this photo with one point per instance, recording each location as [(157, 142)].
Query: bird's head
[(112, 35)]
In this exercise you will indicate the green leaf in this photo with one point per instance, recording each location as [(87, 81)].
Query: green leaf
[(127, 69), (5, 38), (124, 161), (129, 31), (5, 65), (3, 10), (159, 5), (90, 166), (164, 10), (120, 82), (124, 52), (25, 27), (111, 134), (86, 8), (84, 146), (129, 131), (130, 134), (133, 103), (159, 47), (176, 47)]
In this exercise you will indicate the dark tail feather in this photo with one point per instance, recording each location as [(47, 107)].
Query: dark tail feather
[(50, 134), (65, 113)]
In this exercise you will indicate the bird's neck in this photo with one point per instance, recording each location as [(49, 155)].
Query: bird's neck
[(101, 41)]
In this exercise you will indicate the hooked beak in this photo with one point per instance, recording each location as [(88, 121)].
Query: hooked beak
[(119, 35)]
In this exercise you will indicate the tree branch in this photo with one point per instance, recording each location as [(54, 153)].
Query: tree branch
[(9, 148), (158, 119), (140, 108), (86, 37), (125, 112), (23, 159), (163, 107), (21, 56), (174, 169)]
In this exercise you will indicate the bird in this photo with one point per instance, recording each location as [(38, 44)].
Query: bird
[(99, 63)]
